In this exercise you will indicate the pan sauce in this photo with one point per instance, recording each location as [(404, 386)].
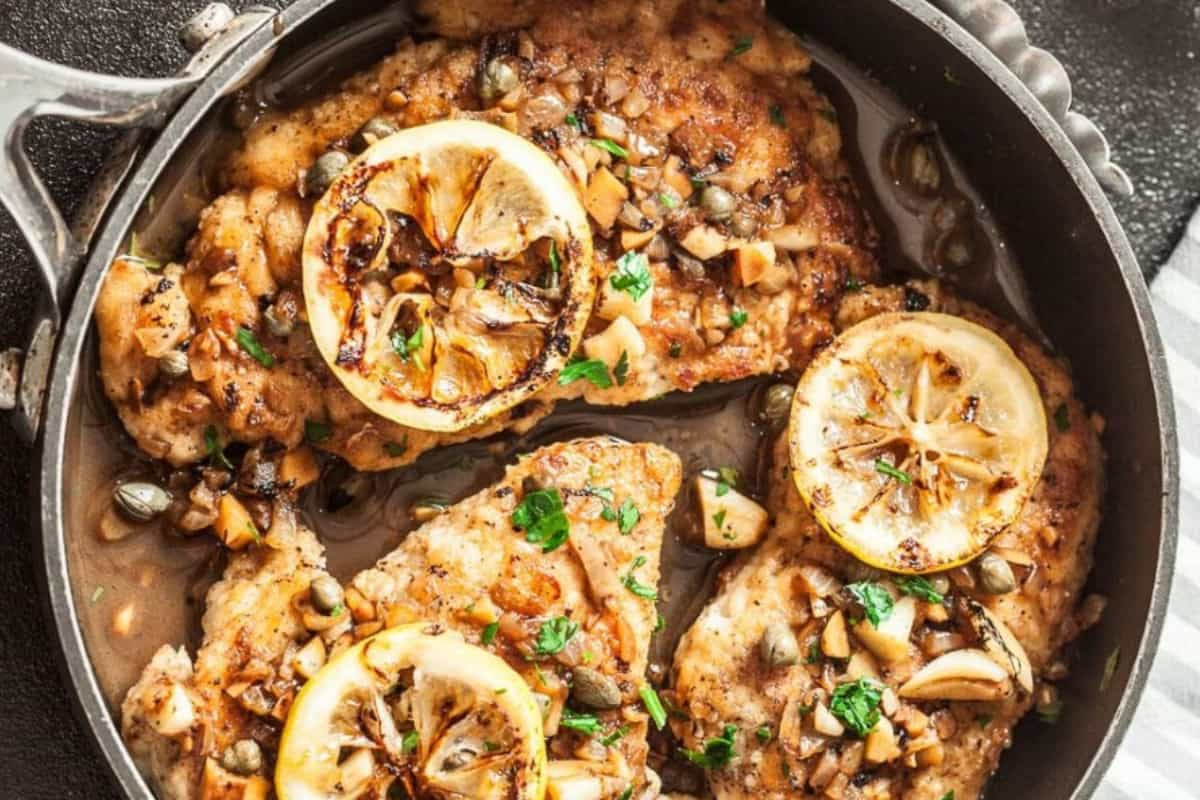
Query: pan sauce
[(156, 583)]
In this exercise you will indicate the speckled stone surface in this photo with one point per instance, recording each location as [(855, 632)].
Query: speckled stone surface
[(1136, 70)]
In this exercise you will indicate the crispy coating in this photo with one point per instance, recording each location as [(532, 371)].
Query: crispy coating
[(694, 118), (720, 677)]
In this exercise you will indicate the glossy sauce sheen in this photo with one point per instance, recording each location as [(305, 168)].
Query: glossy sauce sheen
[(165, 576)]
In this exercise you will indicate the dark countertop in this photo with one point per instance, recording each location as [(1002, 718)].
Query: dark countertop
[(1136, 71)]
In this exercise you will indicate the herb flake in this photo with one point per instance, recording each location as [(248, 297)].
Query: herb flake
[(621, 370), (553, 635), (627, 516), (489, 633), (653, 704), (874, 598), (212, 446), (316, 432), (640, 589), (884, 468), (580, 721), (249, 342), (741, 45), (718, 751), (738, 317), (917, 586), (543, 519), (632, 275), (611, 147), (592, 370), (856, 704)]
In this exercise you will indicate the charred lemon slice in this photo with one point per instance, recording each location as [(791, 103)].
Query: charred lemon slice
[(915, 439), (436, 716), (448, 274)]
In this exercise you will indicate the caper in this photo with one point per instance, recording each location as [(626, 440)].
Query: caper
[(777, 405), (717, 203), (779, 647), (497, 79), (594, 689), (324, 172), (995, 575), (278, 324), (743, 225), (141, 502), (940, 584), (174, 364), (326, 593), (371, 132), (244, 757)]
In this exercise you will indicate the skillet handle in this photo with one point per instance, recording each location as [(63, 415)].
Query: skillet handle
[(998, 27), (30, 88)]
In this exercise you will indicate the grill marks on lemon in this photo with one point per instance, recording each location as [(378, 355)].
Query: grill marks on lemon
[(418, 709), (448, 274), (916, 438)]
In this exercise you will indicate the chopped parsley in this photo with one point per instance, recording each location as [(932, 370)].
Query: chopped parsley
[(717, 751), (738, 317), (337, 610), (948, 795), (555, 261), (212, 446), (660, 623), (609, 146), (726, 478), (884, 468), (1110, 668), (542, 518), (396, 449), (574, 122), (653, 704), (857, 704), (741, 45), (249, 342), (407, 347), (625, 795), (983, 720), (776, 114), (621, 370), (675, 350), (593, 370), (667, 200), (917, 586), (553, 635), (627, 516), (719, 519), (581, 722), (617, 735), (316, 432), (814, 652), (489, 746), (1062, 418), (489, 633), (634, 585), (874, 598), (763, 734), (854, 285), (632, 275), (408, 744)]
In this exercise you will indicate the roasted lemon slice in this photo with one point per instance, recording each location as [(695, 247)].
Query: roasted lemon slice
[(448, 274), (440, 717), (915, 439)]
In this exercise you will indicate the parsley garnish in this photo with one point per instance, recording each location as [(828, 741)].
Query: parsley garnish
[(776, 114), (615, 736), (814, 652), (634, 585), (743, 44), (1050, 712), (627, 516), (948, 795), (542, 518), (592, 369), (609, 146), (555, 261), (660, 624), (854, 285), (553, 635), (719, 519), (407, 346), (625, 795), (316, 431), (884, 468), (737, 318), (409, 743), (857, 704), (1062, 418), (726, 478), (216, 453), (574, 122), (983, 719), (248, 342), (917, 586), (667, 200), (337, 610), (717, 751), (621, 370), (874, 598), (489, 633), (675, 350), (632, 275), (582, 722), (396, 449), (763, 733), (653, 705)]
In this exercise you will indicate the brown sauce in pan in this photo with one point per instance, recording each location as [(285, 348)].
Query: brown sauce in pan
[(930, 222)]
